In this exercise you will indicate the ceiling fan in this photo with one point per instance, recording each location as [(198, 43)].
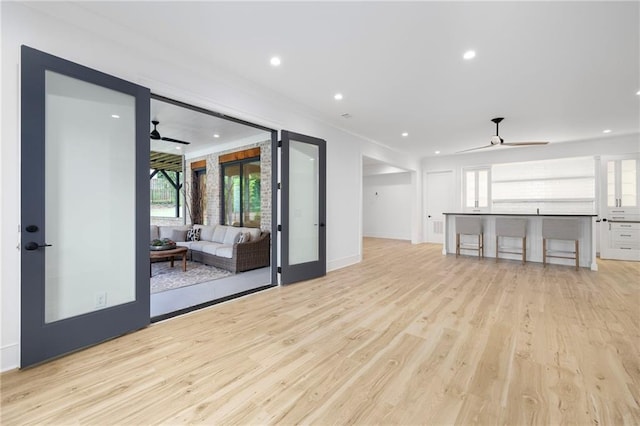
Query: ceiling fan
[(155, 135), (497, 140)]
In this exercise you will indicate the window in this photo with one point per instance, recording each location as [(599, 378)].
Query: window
[(197, 206), (477, 195), (564, 185), (241, 193)]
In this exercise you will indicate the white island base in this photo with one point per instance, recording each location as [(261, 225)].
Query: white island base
[(587, 239)]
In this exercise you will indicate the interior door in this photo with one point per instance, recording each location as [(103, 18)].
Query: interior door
[(84, 207), (438, 200), (303, 202)]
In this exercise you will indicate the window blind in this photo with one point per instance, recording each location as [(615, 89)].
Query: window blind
[(557, 186)]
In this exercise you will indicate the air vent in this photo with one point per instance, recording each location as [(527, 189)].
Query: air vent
[(346, 115)]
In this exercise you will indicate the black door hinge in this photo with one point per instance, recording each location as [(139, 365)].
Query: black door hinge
[(280, 228), (279, 185), (279, 270), (279, 144)]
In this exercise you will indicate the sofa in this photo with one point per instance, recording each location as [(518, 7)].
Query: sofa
[(232, 248)]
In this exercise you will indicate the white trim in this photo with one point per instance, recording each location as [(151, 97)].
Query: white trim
[(9, 357), (343, 263)]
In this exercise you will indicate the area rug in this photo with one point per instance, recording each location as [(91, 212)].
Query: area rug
[(164, 277)]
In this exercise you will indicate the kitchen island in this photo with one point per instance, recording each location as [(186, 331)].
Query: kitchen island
[(587, 238)]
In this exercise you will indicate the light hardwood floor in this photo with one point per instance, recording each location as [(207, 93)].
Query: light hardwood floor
[(408, 336)]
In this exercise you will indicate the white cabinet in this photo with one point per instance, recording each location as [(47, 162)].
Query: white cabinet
[(622, 175), (620, 208), (625, 236), (620, 240), (477, 189)]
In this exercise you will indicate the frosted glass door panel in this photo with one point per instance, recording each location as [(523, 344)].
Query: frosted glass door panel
[(303, 203), (90, 197)]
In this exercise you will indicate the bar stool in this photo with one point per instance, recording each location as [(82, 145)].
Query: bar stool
[(561, 229), (469, 225), (515, 228)]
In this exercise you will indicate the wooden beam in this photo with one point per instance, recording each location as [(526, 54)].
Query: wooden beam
[(239, 155), (202, 164), (164, 161)]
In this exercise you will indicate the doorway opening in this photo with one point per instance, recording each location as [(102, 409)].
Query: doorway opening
[(388, 198), (194, 150)]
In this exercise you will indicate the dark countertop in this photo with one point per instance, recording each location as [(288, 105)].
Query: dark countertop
[(522, 214)]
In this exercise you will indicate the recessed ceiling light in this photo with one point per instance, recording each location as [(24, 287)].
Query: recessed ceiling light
[(437, 152), (606, 131), (469, 54), (115, 116), (275, 61), (178, 148), (337, 96), (215, 135), (405, 134), (638, 92)]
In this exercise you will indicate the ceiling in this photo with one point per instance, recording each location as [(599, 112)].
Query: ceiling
[(557, 71), (204, 132)]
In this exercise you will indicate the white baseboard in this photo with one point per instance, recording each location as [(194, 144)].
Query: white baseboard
[(9, 357), (332, 265)]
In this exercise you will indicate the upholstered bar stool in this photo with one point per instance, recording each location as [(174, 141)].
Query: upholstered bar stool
[(561, 229), (514, 228), (469, 225)]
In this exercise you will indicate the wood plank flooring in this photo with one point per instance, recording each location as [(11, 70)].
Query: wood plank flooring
[(408, 336)]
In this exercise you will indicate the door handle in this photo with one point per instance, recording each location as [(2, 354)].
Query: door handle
[(322, 225), (34, 246)]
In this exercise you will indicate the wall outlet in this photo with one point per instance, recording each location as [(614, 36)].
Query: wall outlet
[(101, 299)]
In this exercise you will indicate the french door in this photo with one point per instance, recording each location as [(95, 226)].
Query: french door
[(303, 194), (84, 207)]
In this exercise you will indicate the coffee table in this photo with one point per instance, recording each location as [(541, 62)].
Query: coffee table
[(163, 254)]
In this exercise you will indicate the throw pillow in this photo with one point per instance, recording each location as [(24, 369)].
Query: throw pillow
[(193, 234), (219, 233), (179, 235), (231, 237), (245, 237)]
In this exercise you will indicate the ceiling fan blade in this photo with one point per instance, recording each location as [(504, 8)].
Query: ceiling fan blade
[(475, 149), (175, 140), (524, 143)]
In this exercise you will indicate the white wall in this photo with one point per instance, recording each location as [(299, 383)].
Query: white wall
[(69, 32), (387, 201)]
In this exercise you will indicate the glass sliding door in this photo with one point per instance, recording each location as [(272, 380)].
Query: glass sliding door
[(241, 196), (251, 202), (231, 194)]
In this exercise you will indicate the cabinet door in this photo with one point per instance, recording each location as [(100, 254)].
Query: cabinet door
[(628, 187), (622, 183)]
